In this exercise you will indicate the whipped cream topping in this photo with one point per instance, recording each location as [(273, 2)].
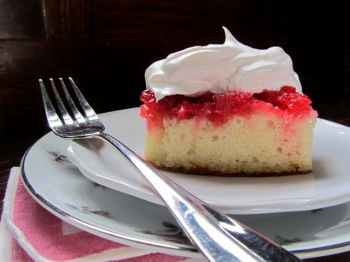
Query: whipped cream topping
[(220, 68)]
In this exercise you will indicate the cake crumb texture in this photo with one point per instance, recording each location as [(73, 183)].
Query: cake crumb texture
[(256, 145)]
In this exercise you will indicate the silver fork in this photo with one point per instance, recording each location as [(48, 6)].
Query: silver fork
[(218, 236)]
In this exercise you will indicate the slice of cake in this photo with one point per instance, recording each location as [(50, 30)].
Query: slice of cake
[(227, 110)]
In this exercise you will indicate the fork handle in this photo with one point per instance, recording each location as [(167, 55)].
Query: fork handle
[(218, 236)]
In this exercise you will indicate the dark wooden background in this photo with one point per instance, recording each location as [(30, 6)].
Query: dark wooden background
[(106, 46)]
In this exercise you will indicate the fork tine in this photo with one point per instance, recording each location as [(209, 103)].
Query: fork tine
[(50, 111), (78, 116), (65, 115), (88, 111)]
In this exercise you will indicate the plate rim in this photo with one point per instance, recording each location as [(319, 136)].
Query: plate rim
[(266, 206), (89, 227), (302, 253)]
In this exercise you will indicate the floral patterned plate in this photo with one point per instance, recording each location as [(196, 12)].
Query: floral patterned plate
[(58, 186), (327, 185)]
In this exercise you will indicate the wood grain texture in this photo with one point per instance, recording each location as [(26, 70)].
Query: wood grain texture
[(21, 19), (68, 19)]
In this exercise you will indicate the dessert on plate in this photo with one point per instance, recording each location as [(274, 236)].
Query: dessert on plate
[(227, 109)]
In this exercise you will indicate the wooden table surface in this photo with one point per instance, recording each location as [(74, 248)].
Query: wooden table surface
[(107, 45)]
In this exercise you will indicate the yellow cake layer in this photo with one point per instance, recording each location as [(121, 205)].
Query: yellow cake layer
[(260, 144)]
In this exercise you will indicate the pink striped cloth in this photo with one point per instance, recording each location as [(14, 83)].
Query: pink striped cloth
[(30, 233)]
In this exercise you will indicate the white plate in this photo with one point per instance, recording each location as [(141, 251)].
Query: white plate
[(60, 188), (327, 185)]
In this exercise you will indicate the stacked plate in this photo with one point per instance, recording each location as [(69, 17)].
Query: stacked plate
[(90, 185)]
